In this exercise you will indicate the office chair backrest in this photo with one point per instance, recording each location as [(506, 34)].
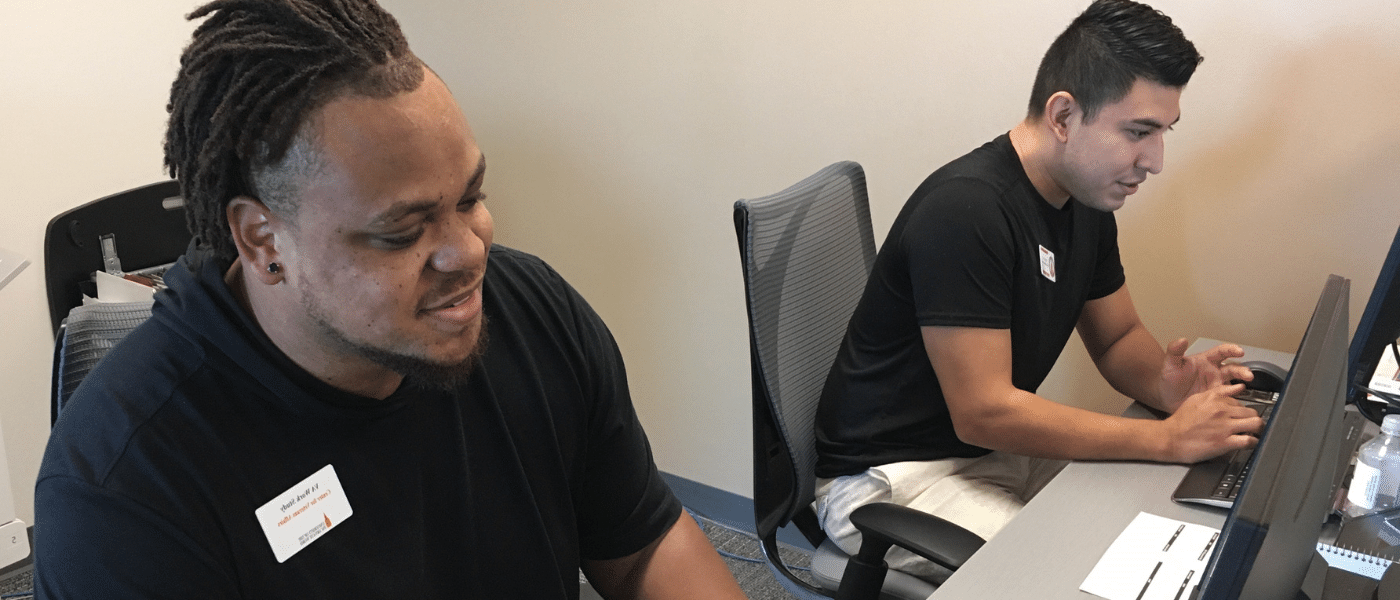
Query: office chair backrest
[(148, 225), (806, 254), (150, 230), (84, 339)]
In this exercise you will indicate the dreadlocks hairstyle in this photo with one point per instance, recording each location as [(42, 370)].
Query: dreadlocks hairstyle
[(1105, 49), (249, 81)]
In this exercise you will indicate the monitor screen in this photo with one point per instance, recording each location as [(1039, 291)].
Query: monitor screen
[(1379, 326), (1270, 535)]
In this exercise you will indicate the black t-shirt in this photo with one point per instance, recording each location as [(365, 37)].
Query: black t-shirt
[(965, 251), (153, 474)]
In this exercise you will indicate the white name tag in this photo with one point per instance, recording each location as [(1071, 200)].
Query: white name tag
[(1047, 263), (304, 513)]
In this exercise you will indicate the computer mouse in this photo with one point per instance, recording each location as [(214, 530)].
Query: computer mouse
[(1267, 376)]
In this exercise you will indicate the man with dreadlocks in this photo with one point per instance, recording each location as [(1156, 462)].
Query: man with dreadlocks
[(313, 409)]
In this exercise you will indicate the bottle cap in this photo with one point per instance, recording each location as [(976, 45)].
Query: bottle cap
[(1391, 425)]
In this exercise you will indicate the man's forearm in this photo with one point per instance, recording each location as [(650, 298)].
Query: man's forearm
[(1027, 424), (1133, 366)]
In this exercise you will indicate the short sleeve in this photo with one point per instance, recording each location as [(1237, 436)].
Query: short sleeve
[(624, 504), (1108, 273), (961, 257)]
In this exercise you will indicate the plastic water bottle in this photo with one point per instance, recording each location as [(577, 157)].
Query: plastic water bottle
[(1376, 480)]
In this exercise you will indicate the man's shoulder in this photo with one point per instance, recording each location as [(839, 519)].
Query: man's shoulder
[(527, 300), (510, 264), (973, 189), (514, 256), (149, 361), (524, 297), (117, 400), (991, 169), (514, 276)]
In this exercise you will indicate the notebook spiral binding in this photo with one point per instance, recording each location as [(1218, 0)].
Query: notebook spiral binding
[(1354, 560)]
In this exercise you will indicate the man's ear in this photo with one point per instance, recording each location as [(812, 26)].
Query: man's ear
[(1061, 110), (251, 224)]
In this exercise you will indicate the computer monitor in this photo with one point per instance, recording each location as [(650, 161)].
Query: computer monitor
[(1379, 326), (1270, 536)]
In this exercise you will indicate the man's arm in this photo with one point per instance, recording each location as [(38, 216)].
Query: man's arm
[(974, 371), (95, 543), (1129, 357), (680, 564)]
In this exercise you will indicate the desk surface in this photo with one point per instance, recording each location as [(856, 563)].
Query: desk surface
[(1050, 547)]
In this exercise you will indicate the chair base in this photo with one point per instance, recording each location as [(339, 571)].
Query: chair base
[(829, 563)]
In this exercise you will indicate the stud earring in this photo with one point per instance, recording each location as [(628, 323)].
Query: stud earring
[(274, 268)]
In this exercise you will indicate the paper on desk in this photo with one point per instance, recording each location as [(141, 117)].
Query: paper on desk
[(1155, 558)]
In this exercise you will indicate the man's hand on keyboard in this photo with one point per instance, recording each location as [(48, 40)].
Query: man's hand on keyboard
[(1210, 423), (1184, 375)]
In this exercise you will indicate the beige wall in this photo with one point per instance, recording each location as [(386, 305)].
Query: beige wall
[(83, 87), (620, 133)]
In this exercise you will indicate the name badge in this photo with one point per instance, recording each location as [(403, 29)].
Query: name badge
[(304, 513), (1047, 263)]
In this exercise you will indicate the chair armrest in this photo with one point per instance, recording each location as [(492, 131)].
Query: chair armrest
[(929, 536), (882, 525)]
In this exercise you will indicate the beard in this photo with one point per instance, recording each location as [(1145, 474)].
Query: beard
[(445, 376), (442, 376)]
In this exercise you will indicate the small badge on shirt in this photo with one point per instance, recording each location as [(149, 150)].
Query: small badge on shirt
[(1047, 263), (304, 513)]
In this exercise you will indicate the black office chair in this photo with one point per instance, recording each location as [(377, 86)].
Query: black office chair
[(806, 254), (149, 228), (149, 232)]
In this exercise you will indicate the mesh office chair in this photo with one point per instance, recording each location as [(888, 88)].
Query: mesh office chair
[(806, 253), (148, 225)]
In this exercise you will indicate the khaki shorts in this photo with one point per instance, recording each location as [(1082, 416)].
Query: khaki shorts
[(980, 494)]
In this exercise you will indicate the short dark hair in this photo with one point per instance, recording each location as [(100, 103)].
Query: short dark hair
[(1107, 48), (251, 78)]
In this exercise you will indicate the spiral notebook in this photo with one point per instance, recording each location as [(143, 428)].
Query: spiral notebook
[(1354, 561)]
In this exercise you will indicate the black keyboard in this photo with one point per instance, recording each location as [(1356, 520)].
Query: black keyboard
[(1238, 467), (17, 585)]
